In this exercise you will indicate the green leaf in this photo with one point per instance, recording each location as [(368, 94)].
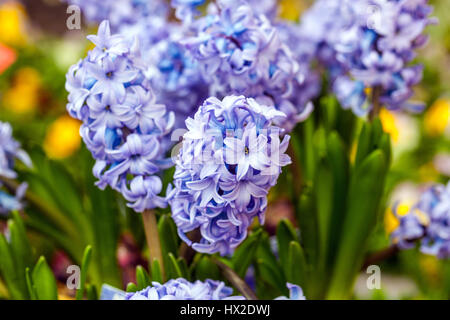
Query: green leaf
[(365, 192), (324, 191), (297, 270), (184, 268), (19, 242), (20, 249), (307, 221), (44, 281), (364, 144), (131, 287), (8, 270), (142, 278), (268, 264), (385, 145), (156, 272), (169, 237), (173, 269), (285, 234), (91, 292), (340, 167), (244, 254), (270, 275), (84, 268), (30, 286), (307, 150), (104, 224), (206, 269)]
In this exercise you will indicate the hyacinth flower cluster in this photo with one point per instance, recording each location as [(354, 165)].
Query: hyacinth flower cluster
[(230, 157), (143, 19), (241, 52), (124, 126), (428, 222), (120, 12), (175, 76), (10, 151), (368, 47), (181, 289)]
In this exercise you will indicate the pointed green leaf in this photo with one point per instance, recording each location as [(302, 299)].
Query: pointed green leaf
[(285, 234), (307, 221), (364, 144), (156, 272), (84, 269), (30, 286), (131, 287), (142, 278), (206, 269), (44, 281), (8, 270), (365, 193), (173, 269), (184, 268), (244, 254), (297, 272), (91, 292), (270, 274), (340, 167)]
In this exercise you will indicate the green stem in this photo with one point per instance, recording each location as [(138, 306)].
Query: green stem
[(235, 280)]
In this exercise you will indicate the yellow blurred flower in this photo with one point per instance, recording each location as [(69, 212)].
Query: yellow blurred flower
[(403, 129), (291, 9), (63, 138), (391, 222), (389, 124), (12, 23), (23, 96), (437, 118)]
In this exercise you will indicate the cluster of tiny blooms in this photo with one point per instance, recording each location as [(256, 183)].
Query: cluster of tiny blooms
[(368, 45), (181, 289), (175, 76), (428, 222), (230, 157), (10, 151), (120, 12), (123, 125), (241, 52), (187, 10)]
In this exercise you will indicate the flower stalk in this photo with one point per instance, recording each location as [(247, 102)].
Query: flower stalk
[(376, 108), (152, 236)]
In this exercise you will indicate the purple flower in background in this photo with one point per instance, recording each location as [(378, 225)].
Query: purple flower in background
[(181, 289), (230, 157), (427, 222), (411, 229), (176, 77), (9, 202), (122, 13), (368, 45), (240, 52), (295, 293), (10, 151), (124, 126)]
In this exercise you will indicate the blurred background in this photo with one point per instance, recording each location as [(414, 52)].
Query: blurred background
[(36, 50)]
